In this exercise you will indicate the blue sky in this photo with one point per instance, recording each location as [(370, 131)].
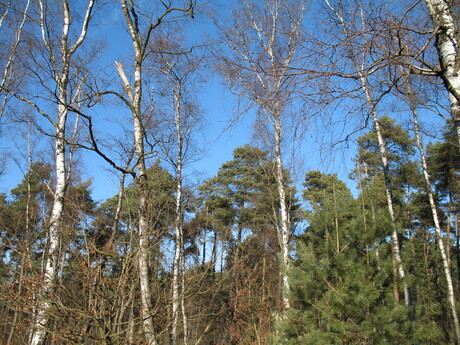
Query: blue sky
[(217, 140)]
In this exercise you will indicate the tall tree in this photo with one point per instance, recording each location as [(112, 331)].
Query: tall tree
[(177, 68), (140, 28), (260, 47), (54, 61), (244, 201), (411, 99)]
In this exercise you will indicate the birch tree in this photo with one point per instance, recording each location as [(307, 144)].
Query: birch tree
[(410, 97), (260, 48), (177, 70), (140, 28), (54, 57)]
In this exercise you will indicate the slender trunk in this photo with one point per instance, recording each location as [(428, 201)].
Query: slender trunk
[(182, 300), (336, 222), (178, 222), (374, 223), (448, 237), (264, 273), (143, 261), (52, 260), (203, 259), (135, 96), (214, 250), (127, 286), (141, 182), (457, 246), (116, 218), (388, 186), (285, 226), (61, 78), (389, 194), (131, 324), (363, 209), (434, 212)]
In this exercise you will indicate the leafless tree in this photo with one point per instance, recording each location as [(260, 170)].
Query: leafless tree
[(60, 69), (260, 48), (141, 24), (176, 68), (11, 9)]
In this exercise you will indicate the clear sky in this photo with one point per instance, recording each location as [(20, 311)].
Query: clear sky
[(217, 140)]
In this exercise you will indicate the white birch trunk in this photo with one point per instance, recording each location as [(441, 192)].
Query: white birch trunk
[(178, 220), (135, 97), (52, 260), (61, 78), (434, 212), (285, 223), (445, 22), (264, 60), (182, 300), (116, 220), (389, 194)]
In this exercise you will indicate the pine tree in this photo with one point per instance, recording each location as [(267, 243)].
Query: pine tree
[(341, 293)]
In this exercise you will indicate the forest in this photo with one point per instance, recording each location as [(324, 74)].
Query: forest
[(334, 222)]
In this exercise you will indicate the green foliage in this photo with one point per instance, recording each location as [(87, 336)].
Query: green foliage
[(399, 145), (342, 284), (444, 163), (341, 280)]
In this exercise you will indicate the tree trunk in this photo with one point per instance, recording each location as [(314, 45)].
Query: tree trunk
[(135, 97), (178, 221), (61, 78), (434, 212), (285, 223), (363, 209), (52, 260), (445, 24), (389, 193), (182, 299)]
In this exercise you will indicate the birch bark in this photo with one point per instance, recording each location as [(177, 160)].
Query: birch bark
[(434, 212), (445, 22), (265, 41), (140, 41), (135, 95), (178, 221), (61, 78)]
